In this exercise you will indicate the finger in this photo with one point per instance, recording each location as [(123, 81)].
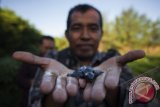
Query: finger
[(130, 56), (48, 82), (59, 93), (82, 83), (98, 91), (112, 77), (49, 102), (30, 58), (111, 84), (87, 92), (72, 86), (113, 71)]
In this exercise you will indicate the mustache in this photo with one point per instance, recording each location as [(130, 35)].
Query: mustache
[(85, 44)]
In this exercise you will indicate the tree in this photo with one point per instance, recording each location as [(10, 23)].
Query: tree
[(155, 33), (135, 29), (16, 33), (131, 30)]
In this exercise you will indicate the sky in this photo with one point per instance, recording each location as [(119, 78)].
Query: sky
[(49, 16)]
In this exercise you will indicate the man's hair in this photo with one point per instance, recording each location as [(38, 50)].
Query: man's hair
[(82, 8), (46, 37)]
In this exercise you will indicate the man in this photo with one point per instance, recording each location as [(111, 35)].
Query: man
[(84, 32), (27, 72)]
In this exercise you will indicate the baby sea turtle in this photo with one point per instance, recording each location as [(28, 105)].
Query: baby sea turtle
[(86, 72)]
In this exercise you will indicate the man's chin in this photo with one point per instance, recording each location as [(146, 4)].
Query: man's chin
[(85, 56)]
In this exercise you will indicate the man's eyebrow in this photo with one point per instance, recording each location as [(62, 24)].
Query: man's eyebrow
[(89, 24), (93, 24), (76, 24)]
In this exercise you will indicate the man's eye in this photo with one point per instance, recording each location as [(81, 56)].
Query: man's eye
[(93, 28), (76, 28)]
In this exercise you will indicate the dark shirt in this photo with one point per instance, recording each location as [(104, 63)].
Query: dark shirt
[(24, 77), (69, 60)]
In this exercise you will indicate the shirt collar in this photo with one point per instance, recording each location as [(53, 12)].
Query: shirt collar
[(97, 58)]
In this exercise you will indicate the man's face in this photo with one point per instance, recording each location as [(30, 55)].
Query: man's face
[(84, 33), (46, 46)]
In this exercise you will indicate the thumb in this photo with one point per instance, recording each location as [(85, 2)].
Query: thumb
[(130, 56), (30, 58)]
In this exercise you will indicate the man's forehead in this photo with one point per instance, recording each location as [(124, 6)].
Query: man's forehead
[(90, 15)]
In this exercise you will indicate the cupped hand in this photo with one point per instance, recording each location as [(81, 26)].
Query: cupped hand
[(54, 79), (106, 84)]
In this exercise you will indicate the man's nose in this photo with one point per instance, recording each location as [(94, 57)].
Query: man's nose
[(85, 34)]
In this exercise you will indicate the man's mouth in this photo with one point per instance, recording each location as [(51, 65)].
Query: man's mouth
[(85, 47)]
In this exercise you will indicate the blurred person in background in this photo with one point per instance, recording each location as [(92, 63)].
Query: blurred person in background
[(27, 71)]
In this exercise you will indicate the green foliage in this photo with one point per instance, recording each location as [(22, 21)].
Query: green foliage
[(145, 64), (16, 33), (131, 30), (61, 43), (9, 93), (146, 67)]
